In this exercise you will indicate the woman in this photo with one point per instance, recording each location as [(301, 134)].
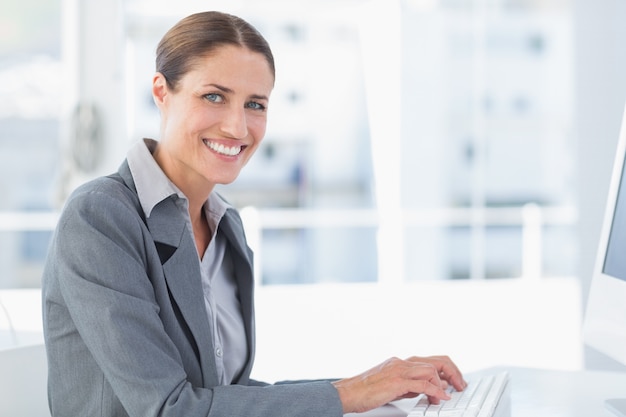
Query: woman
[(147, 290)]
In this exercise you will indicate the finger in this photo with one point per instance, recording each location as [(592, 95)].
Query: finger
[(444, 384), (448, 371), (434, 393), (422, 371), (428, 375)]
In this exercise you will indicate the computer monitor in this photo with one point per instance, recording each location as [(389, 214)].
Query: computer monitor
[(605, 318)]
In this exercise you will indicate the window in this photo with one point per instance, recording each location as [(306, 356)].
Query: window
[(437, 148), (30, 87)]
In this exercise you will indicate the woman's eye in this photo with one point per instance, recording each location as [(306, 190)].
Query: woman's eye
[(215, 98), (255, 106)]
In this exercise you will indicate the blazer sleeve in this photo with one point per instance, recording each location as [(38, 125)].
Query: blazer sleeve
[(105, 337)]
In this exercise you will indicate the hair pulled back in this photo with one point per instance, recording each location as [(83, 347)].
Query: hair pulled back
[(200, 34)]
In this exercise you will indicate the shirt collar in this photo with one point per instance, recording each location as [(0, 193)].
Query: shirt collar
[(153, 186)]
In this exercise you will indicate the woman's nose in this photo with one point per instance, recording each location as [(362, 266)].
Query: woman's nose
[(234, 123)]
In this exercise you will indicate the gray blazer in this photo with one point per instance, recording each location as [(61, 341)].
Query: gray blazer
[(125, 324)]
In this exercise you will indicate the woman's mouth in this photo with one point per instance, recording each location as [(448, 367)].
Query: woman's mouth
[(223, 150)]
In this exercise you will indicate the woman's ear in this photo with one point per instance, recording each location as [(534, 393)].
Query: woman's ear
[(159, 89)]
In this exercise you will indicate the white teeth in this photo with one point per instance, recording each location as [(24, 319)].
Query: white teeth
[(224, 150)]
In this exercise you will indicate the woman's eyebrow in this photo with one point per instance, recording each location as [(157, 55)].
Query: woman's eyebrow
[(220, 87), (259, 97), (230, 91)]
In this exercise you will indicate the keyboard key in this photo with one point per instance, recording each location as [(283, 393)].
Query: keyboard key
[(479, 399), (490, 403)]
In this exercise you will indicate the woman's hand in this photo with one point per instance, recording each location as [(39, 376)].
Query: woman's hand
[(396, 378)]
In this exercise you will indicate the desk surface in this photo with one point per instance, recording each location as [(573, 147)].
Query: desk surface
[(545, 393)]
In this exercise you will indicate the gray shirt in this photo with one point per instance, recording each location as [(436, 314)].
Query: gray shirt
[(221, 296)]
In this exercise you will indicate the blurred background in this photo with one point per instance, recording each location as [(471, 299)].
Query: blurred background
[(432, 179)]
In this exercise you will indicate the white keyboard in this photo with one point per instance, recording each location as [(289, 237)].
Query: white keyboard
[(479, 399)]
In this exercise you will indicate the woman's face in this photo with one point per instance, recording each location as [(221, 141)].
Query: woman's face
[(215, 119)]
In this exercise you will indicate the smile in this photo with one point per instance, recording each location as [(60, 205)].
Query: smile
[(223, 150)]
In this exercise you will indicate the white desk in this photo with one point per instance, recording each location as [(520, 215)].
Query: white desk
[(545, 393)]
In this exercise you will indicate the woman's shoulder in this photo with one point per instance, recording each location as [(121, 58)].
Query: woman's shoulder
[(104, 194)]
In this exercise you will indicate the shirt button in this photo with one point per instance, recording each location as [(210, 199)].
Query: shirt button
[(218, 352)]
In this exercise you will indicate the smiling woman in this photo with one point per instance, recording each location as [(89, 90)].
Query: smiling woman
[(148, 285)]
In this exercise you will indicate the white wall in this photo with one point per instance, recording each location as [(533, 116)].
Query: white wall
[(334, 330), (339, 330)]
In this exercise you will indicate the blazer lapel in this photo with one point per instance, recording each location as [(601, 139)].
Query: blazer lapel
[(181, 269)]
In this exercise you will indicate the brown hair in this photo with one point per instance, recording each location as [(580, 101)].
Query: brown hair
[(198, 35)]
